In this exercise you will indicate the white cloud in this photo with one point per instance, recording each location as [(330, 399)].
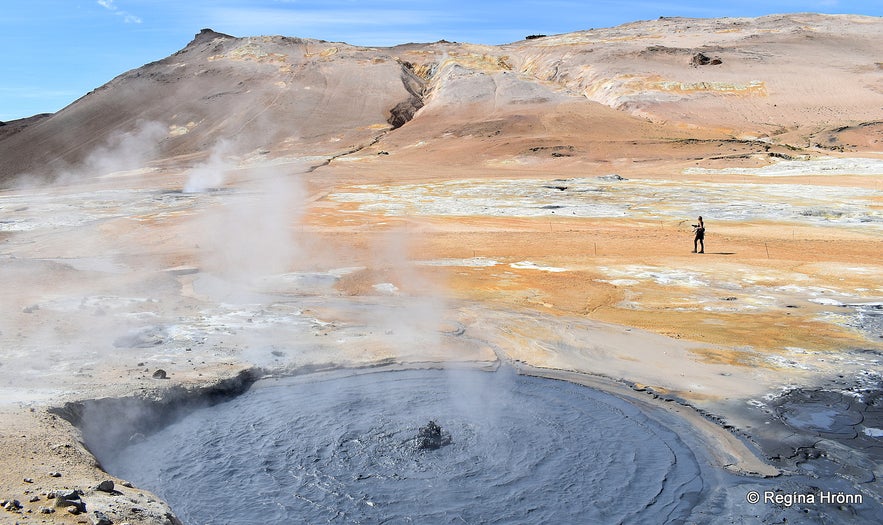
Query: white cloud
[(128, 18)]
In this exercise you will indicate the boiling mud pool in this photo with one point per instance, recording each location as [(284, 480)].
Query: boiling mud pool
[(342, 450)]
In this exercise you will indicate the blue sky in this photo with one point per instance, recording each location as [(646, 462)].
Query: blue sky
[(55, 51)]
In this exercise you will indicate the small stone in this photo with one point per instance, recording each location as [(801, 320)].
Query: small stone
[(55, 474), (160, 374), (105, 486), (70, 499), (34, 499), (28, 480), (127, 484), (100, 518), (46, 510)]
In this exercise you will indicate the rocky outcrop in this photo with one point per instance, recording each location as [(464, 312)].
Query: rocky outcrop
[(207, 35), (404, 111)]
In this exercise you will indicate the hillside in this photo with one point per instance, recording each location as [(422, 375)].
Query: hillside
[(798, 81)]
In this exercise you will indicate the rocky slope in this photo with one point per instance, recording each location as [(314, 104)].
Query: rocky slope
[(794, 80)]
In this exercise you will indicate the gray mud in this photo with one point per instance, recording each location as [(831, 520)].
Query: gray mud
[(522, 449), (341, 448), (827, 439)]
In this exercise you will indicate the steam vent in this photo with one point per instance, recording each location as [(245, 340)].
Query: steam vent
[(272, 279)]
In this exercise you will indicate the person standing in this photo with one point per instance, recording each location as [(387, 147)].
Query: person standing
[(699, 239)]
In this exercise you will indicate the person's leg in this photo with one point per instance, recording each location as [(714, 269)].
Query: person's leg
[(702, 244)]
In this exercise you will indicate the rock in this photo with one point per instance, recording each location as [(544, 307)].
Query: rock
[(207, 36), (701, 59), (55, 474), (69, 500), (100, 518), (67, 495), (160, 374), (46, 510), (403, 112), (105, 486), (432, 437), (28, 480), (11, 505)]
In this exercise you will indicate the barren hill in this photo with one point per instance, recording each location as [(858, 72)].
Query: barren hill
[(799, 81)]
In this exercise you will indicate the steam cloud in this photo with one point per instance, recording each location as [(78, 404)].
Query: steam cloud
[(93, 294), (210, 174)]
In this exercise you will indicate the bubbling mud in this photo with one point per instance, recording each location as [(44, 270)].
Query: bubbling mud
[(342, 449)]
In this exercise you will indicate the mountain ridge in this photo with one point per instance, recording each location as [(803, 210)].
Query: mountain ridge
[(312, 97)]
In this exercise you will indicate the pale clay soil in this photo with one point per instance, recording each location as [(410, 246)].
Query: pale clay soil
[(620, 297)]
